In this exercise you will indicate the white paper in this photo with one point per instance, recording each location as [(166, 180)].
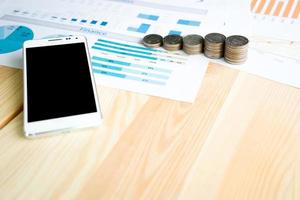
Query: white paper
[(277, 19), (268, 65), (114, 30), (160, 73)]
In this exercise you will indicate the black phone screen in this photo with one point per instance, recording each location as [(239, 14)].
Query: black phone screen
[(59, 83)]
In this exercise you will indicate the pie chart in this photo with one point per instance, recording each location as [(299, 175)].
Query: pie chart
[(13, 37)]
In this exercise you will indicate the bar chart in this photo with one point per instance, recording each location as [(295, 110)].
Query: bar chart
[(72, 20), (118, 68), (279, 19), (114, 30), (132, 66), (277, 8), (138, 25)]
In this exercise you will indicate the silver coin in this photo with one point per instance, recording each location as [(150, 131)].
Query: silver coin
[(153, 40), (172, 40), (236, 49), (215, 38), (192, 40), (237, 41)]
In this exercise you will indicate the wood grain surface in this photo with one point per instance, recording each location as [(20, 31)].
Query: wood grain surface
[(11, 94), (239, 140)]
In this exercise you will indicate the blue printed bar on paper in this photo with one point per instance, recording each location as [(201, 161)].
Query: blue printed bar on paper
[(172, 32), (124, 53), (143, 28), (104, 23), (127, 45), (132, 71), (133, 78), (188, 22), (94, 22), (149, 17), (127, 64)]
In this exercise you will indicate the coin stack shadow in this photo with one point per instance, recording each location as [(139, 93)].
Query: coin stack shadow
[(236, 49), (214, 45)]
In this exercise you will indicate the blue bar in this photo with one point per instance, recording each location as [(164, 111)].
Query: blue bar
[(63, 18), (128, 77), (127, 45), (172, 32), (104, 23), (83, 21), (150, 17), (188, 22), (132, 29), (132, 71), (107, 66), (123, 49), (143, 28), (109, 73), (117, 62), (124, 53), (94, 22), (74, 20), (111, 61)]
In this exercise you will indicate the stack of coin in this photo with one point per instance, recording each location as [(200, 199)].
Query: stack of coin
[(153, 40), (236, 49), (214, 45), (193, 44), (172, 42)]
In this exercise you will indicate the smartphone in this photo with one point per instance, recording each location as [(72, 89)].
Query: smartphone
[(59, 88)]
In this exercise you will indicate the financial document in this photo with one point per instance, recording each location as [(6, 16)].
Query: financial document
[(114, 29), (271, 66), (276, 18)]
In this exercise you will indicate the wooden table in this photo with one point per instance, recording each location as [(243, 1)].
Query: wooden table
[(239, 140)]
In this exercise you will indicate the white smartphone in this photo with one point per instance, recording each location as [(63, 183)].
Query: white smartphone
[(59, 88)]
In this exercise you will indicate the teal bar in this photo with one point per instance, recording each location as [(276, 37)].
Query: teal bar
[(117, 62), (123, 49), (127, 45), (132, 71), (117, 75), (124, 53), (109, 73), (188, 22), (111, 61)]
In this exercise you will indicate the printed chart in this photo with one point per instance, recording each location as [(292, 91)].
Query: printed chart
[(131, 66), (138, 25), (13, 37), (118, 58), (277, 18), (280, 8)]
